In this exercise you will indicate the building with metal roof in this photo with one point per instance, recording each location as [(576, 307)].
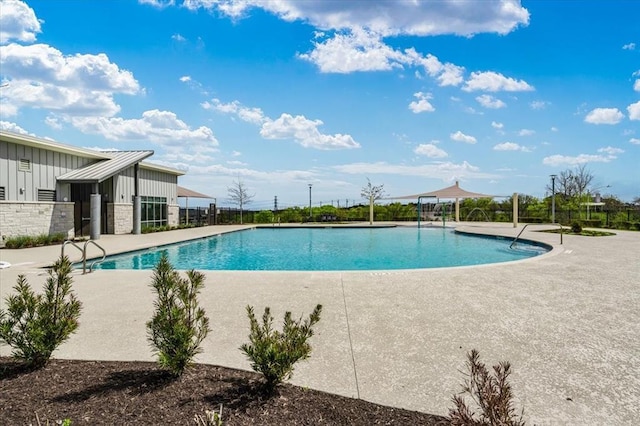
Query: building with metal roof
[(47, 187)]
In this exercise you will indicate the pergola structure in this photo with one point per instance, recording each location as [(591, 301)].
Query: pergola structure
[(450, 192), (188, 193)]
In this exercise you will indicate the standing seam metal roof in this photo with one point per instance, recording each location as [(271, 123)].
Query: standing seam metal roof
[(98, 172)]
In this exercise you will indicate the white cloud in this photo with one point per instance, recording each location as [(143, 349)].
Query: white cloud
[(490, 81), (160, 4), (559, 160), (40, 76), (162, 127), (462, 17), (634, 141), (634, 111), (526, 132), (13, 127), (250, 115), (461, 137), (178, 37), (70, 101), (489, 101), (497, 125), (305, 132), (446, 171), (604, 116), (45, 64), (217, 170), (629, 46), (554, 129), (236, 163), (510, 146), (536, 105), (636, 85), (422, 104), (430, 150), (18, 22), (611, 151), (359, 50), (447, 74), (185, 78), (53, 122)]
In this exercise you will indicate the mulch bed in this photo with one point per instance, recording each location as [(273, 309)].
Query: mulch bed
[(139, 393)]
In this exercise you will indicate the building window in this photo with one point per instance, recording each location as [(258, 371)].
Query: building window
[(2, 193), (46, 195), (24, 165), (154, 211)]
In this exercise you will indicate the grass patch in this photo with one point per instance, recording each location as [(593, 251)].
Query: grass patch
[(583, 232)]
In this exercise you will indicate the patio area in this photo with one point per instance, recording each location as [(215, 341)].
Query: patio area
[(568, 321)]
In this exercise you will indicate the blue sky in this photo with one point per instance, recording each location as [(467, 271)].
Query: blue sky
[(498, 94)]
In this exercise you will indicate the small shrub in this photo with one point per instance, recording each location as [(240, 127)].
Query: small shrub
[(179, 325), (491, 393), (34, 325), (576, 228), (26, 241), (274, 353)]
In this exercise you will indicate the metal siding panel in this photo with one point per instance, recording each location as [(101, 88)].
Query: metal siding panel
[(4, 165)]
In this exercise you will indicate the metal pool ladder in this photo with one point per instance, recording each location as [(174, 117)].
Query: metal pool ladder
[(83, 250), (525, 227)]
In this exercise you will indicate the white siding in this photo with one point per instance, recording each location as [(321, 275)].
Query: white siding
[(152, 184), (45, 166)]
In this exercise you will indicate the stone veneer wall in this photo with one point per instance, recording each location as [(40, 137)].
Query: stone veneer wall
[(35, 218), (119, 218), (173, 214)]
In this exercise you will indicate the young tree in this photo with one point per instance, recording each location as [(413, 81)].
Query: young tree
[(572, 183), (36, 324), (274, 353), (239, 195), (372, 193), (179, 324)]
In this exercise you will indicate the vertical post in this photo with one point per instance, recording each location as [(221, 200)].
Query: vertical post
[(137, 206), (515, 209), (371, 209), (553, 198), (310, 214), (457, 210), (95, 218), (419, 209)]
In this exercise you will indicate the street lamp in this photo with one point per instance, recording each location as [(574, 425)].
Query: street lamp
[(553, 198), (310, 215)]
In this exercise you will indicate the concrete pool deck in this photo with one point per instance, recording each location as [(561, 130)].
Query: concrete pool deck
[(568, 321)]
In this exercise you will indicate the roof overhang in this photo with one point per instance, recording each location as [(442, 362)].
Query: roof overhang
[(103, 170), (450, 192), (188, 193)]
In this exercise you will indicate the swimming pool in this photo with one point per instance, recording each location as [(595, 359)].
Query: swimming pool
[(332, 249)]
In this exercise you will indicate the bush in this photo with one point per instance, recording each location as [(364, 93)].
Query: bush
[(178, 326), (491, 393), (273, 353), (264, 216), (26, 241), (576, 228), (35, 324)]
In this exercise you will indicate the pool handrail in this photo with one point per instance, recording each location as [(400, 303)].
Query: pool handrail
[(525, 227)]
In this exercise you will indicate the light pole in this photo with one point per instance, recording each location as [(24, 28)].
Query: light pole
[(310, 215), (553, 198)]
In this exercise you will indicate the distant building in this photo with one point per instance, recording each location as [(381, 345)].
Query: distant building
[(48, 187)]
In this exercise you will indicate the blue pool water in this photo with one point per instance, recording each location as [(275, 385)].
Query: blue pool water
[(333, 249)]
